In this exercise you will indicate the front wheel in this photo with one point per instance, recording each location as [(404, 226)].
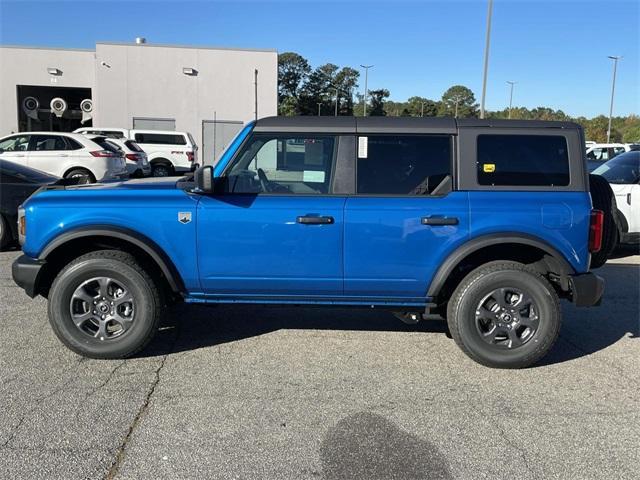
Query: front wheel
[(504, 315), (104, 305)]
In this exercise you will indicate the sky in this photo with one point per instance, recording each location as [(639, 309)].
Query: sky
[(556, 51)]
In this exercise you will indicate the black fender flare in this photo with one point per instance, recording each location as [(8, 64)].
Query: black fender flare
[(139, 240), (483, 241)]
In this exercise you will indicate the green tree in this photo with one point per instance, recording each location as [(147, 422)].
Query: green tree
[(293, 70), (346, 81), (420, 106), (458, 101), (376, 104), (317, 89)]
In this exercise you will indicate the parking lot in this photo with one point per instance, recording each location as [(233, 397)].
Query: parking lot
[(249, 392)]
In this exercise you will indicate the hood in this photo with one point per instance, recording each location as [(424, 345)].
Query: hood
[(151, 183)]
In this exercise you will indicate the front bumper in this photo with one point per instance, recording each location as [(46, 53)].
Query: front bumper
[(25, 272), (586, 289)]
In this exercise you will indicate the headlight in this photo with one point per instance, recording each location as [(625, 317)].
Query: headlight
[(22, 226)]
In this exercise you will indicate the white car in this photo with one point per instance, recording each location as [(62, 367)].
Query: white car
[(135, 158), (168, 152), (67, 155), (623, 174)]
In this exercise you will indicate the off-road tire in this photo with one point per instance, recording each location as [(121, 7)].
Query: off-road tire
[(602, 198), (461, 314), (124, 268)]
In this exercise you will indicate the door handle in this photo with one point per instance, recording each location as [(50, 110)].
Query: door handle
[(19, 155), (315, 220), (439, 221)]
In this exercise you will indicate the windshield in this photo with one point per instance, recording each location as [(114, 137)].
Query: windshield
[(622, 170)]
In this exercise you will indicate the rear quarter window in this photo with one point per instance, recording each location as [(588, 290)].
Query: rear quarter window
[(522, 160), (160, 138)]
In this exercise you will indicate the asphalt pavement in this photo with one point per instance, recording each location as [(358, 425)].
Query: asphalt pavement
[(290, 393)]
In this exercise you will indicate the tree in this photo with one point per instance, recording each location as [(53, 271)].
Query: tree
[(293, 70), (458, 101), (346, 80), (317, 89), (376, 106), (420, 106)]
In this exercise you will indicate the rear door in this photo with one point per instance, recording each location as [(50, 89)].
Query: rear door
[(403, 218), (51, 153), (276, 232)]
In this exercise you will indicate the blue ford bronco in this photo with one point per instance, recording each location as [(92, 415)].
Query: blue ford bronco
[(484, 223)]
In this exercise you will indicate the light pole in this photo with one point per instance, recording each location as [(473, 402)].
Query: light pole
[(336, 112), (613, 89), (319, 103), (422, 109), (366, 78), (510, 96), (486, 58)]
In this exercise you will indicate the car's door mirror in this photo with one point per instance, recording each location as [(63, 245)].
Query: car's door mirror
[(203, 177)]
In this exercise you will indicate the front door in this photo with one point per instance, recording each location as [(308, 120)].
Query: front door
[(403, 217), (276, 232)]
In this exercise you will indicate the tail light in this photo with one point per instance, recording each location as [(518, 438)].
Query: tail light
[(102, 153), (132, 156), (596, 226), (190, 156)]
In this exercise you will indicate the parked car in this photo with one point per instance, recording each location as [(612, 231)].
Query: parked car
[(17, 183), (169, 153), (623, 174), (485, 222), (67, 155), (106, 132), (135, 157), (599, 153)]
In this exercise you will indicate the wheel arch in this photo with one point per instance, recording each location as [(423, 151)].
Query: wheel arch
[(82, 240), (76, 167), (510, 246)]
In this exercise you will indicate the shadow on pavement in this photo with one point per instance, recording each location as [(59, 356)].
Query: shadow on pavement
[(584, 331), (368, 446)]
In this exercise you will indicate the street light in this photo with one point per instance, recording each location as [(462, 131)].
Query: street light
[(319, 103), (336, 112), (422, 109), (486, 58), (366, 78), (613, 89), (511, 96)]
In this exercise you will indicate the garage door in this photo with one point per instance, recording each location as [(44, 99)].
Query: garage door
[(216, 136), (141, 123)]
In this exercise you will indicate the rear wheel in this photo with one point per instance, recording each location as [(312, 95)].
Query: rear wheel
[(82, 175), (504, 315), (104, 305), (5, 232), (162, 169)]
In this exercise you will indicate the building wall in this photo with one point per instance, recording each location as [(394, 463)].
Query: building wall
[(130, 80), (148, 81), (28, 66)]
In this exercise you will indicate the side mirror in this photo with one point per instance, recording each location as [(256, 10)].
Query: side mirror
[(203, 177)]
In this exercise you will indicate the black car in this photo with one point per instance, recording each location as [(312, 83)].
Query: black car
[(17, 183)]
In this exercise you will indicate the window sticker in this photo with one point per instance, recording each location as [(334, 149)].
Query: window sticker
[(363, 147), (313, 176), (488, 167)]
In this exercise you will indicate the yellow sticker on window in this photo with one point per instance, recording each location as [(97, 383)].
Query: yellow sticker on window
[(488, 167)]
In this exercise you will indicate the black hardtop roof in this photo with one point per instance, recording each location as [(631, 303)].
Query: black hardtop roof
[(320, 124)]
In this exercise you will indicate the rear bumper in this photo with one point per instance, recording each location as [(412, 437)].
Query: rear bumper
[(25, 271), (586, 289)]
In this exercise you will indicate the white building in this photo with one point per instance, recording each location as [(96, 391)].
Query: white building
[(209, 92)]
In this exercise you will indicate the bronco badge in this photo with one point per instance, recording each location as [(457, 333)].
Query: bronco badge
[(184, 217)]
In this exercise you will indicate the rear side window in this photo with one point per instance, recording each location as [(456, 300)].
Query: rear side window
[(402, 165), (161, 138), (48, 143), (133, 146), (523, 160)]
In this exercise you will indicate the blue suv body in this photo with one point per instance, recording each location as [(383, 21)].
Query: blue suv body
[(484, 223)]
